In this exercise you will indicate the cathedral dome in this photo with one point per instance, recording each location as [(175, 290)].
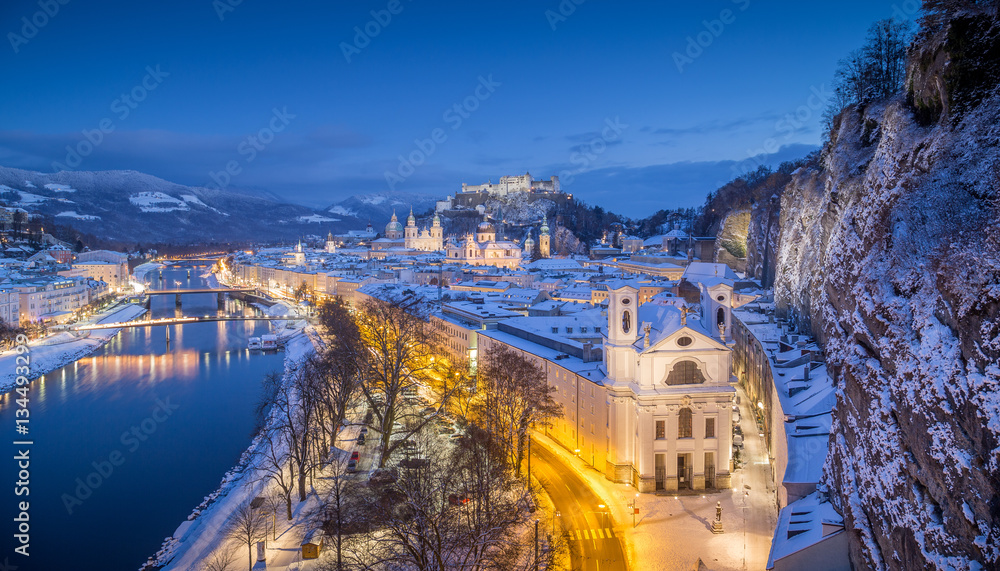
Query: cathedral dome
[(485, 226), (393, 225)]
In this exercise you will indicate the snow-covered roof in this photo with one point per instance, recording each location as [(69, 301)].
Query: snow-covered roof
[(803, 524)]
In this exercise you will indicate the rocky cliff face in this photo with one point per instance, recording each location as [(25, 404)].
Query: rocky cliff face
[(890, 251)]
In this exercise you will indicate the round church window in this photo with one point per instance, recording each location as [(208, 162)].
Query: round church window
[(684, 341)]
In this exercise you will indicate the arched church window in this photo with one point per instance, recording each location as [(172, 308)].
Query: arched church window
[(685, 373), (720, 317), (684, 423), (626, 322)]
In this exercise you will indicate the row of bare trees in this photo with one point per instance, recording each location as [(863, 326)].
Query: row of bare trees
[(443, 507)]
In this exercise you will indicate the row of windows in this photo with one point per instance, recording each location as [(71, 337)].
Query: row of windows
[(583, 329), (684, 426)]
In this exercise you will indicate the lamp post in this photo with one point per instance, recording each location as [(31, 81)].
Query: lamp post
[(635, 508), (536, 545), (604, 514)]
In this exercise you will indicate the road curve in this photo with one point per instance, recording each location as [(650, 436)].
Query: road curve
[(593, 545)]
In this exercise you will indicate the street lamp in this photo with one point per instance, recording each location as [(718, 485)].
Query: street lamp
[(604, 513), (635, 508)]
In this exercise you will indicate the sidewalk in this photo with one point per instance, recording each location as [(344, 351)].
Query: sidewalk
[(674, 532)]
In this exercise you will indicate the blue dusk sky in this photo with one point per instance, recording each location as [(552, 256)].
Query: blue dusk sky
[(637, 106)]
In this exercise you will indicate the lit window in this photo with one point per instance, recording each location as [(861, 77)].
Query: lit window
[(661, 429)]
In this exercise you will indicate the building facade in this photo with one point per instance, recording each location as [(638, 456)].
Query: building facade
[(426, 240), (668, 382)]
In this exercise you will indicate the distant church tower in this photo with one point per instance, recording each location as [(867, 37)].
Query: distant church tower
[(410, 232), (437, 232), (623, 331), (543, 238), (331, 245), (529, 244)]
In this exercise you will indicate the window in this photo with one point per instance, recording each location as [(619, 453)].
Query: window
[(661, 429), (685, 373), (709, 428), (569, 330), (684, 423), (684, 341), (583, 330), (555, 330)]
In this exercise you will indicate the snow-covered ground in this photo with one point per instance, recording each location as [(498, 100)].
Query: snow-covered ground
[(316, 219), (341, 211), (62, 349), (157, 202), (674, 532), (58, 187), (74, 214), (140, 271)]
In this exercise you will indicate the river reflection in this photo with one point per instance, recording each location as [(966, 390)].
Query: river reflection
[(192, 401)]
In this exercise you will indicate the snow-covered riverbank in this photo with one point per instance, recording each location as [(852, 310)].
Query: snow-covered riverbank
[(201, 534), (60, 349)]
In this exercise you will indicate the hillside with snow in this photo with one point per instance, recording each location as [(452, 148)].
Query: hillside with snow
[(378, 207), (130, 206), (889, 250)]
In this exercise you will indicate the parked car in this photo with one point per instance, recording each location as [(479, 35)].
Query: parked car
[(738, 441), (355, 455), (361, 440), (352, 465), (458, 499), (364, 430)]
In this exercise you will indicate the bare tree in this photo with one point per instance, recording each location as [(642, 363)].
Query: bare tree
[(401, 346), (512, 395), (247, 526), (874, 72), (452, 511), (273, 461), (222, 559)]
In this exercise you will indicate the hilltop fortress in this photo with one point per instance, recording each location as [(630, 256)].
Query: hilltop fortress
[(525, 186)]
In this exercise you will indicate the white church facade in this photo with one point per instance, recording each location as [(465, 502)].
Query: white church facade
[(669, 392), (485, 249), (647, 400)]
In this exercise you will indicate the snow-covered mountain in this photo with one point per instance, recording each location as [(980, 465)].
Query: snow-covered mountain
[(378, 208), (135, 207)]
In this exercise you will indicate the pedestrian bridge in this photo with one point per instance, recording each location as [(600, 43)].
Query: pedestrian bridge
[(179, 320), (221, 290)]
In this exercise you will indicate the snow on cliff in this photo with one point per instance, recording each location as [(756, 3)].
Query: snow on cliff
[(890, 251)]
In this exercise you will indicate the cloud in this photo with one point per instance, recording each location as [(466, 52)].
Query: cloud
[(718, 125), (184, 157)]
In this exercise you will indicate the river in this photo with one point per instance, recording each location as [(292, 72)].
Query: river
[(128, 441)]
